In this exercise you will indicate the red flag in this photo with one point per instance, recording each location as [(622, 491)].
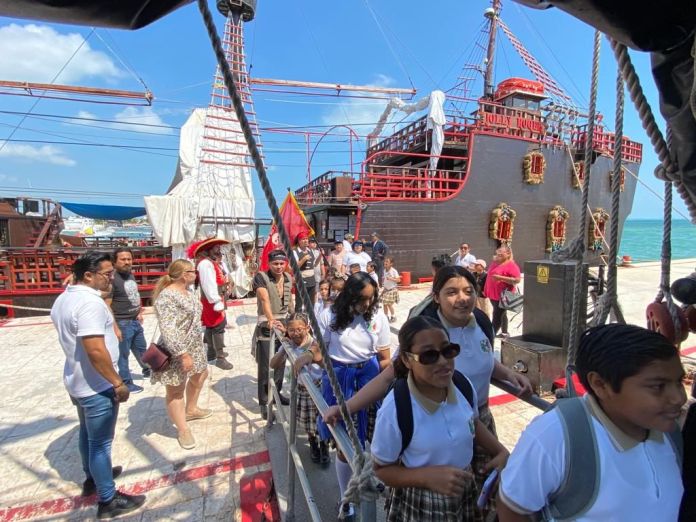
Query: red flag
[(295, 222)]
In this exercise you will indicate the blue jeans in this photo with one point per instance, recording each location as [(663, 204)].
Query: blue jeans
[(132, 340), (97, 414)]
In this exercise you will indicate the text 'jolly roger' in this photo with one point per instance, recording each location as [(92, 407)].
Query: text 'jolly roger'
[(513, 122)]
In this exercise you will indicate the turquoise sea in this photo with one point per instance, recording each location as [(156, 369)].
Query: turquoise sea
[(642, 239)]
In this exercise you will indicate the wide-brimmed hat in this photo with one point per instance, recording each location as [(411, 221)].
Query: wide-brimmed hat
[(206, 244), (349, 236)]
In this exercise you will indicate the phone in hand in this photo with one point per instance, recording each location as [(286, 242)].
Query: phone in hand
[(487, 489)]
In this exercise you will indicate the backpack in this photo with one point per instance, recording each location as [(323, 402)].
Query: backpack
[(428, 307), (577, 494), (404, 410)]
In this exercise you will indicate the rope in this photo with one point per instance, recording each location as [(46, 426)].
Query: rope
[(667, 170), (363, 485), (576, 250), (273, 205), (609, 300), (693, 85)]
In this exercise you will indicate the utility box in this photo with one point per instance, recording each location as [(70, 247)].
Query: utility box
[(541, 363), (548, 302)]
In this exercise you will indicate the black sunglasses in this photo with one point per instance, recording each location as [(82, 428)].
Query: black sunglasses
[(450, 351)]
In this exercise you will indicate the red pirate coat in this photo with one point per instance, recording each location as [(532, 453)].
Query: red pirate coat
[(210, 317)]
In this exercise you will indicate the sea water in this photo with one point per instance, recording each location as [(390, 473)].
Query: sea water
[(642, 239)]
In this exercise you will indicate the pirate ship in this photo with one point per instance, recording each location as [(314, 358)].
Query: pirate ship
[(508, 170)]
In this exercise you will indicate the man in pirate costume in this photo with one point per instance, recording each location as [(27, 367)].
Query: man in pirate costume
[(212, 282), (274, 303)]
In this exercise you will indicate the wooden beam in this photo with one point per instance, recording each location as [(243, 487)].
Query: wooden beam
[(331, 86)]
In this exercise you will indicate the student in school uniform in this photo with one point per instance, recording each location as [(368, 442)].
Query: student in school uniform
[(372, 272), (357, 336), (390, 297), (323, 298), (431, 478), (635, 394)]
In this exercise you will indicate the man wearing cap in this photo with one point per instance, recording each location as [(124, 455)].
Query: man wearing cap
[(212, 282), (273, 305), (336, 259), (357, 255), (464, 258), (478, 270), (348, 243), (379, 252), (306, 260)]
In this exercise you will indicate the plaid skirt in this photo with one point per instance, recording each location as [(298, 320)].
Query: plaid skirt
[(424, 505), (390, 297), (481, 458), (307, 412)]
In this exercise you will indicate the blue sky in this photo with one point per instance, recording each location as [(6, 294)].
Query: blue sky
[(387, 43)]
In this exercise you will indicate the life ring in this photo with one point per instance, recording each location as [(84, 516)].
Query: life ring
[(660, 321)]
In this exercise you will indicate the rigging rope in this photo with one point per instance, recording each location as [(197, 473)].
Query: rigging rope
[(608, 301), (576, 250), (359, 461)]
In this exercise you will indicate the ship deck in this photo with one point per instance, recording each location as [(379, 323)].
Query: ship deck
[(229, 473)]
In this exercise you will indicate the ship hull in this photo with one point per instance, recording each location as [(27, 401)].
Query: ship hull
[(418, 231)]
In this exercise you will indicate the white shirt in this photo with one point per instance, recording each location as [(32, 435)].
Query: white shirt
[(476, 359), (640, 481), (80, 312), (317, 264), (362, 259), (443, 434), (390, 285), (359, 341), (465, 261), (315, 371), (374, 277), (208, 281), (347, 246)]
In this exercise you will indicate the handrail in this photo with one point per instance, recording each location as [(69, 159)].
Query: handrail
[(50, 221), (368, 512)]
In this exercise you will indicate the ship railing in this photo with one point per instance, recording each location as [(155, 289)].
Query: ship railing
[(295, 466), (319, 190), (516, 122), (603, 142), (408, 182)]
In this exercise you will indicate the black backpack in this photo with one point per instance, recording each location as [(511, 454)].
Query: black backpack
[(428, 307), (404, 411)]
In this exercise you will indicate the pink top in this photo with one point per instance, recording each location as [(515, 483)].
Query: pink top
[(494, 287)]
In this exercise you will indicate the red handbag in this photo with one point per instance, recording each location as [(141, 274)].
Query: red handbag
[(156, 356)]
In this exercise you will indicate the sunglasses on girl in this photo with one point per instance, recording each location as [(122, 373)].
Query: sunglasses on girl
[(449, 351)]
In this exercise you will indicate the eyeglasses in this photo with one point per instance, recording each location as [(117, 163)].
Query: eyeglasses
[(464, 248), (108, 274), (450, 351)]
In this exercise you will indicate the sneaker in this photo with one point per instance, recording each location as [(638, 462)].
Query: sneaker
[(200, 413), (119, 505), (285, 401), (146, 372), (264, 411), (224, 354), (90, 488), (314, 452), (223, 364), (134, 388), (186, 440), (324, 457)]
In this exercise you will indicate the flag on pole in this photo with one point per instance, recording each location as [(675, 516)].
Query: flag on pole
[(295, 222)]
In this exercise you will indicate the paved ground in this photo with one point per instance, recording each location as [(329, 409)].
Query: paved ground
[(225, 476)]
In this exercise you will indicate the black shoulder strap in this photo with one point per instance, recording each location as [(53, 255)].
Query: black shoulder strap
[(404, 412), (485, 324)]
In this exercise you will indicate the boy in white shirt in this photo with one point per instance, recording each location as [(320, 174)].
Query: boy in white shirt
[(635, 395)]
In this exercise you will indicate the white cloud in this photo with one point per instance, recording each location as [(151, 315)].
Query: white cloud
[(141, 115), (43, 154), (35, 53), (5, 178)]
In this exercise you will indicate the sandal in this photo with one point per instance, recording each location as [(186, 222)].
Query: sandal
[(199, 414)]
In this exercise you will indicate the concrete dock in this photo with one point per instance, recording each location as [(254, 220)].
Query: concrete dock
[(231, 473)]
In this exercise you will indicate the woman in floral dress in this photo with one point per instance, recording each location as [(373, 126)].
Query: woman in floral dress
[(178, 309)]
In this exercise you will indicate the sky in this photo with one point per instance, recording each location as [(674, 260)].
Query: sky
[(59, 149)]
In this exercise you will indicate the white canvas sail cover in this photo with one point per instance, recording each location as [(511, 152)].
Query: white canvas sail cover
[(435, 102)]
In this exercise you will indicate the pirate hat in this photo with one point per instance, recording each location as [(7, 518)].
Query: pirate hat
[(203, 245)]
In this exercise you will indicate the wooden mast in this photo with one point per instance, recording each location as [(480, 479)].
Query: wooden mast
[(492, 14)]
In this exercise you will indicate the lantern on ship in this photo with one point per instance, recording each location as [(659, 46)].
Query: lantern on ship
[(502, 224), (597, 229), (556, 228)]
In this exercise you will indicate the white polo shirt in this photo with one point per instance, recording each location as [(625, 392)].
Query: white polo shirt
[(443, 433), (359, 341), (640, 481), (390, 285), (476, 359), (464, 261), (80, 312), (362, 259)]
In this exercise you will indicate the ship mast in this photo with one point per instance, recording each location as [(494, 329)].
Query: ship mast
[(492, 14)]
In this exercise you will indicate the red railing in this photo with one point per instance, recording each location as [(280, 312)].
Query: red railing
[(319, 190), (603, 142), (409, 183)]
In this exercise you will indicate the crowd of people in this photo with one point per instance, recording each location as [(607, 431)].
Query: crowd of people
[(424, 406)]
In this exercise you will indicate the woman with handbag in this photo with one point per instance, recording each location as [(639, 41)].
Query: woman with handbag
[(178, 309), (503, 275)]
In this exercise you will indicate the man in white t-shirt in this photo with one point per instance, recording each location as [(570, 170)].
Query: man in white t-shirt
[(464, 258), (85, 329), (635, 395)]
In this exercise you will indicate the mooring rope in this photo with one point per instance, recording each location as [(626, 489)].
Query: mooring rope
[(359, 458)]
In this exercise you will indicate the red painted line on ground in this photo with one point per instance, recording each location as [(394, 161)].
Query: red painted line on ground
[(5, 325), (62, 505), (258, 499), (501, 399), (688, 351)]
